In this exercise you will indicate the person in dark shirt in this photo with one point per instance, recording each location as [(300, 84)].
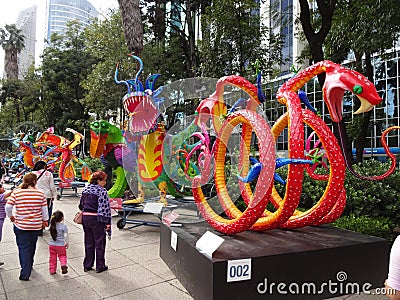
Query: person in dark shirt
[(96, 221)]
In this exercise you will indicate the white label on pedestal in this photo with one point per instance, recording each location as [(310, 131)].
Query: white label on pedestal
[(208, 243), (238, 270), (174, 240), (153, 207)]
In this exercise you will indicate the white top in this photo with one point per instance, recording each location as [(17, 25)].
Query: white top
[(46, 184), (394, 265), (62, 235)]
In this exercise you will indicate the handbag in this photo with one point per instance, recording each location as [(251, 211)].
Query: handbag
[(78, 217)]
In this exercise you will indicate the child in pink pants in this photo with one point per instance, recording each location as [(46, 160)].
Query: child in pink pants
[(58, 243)]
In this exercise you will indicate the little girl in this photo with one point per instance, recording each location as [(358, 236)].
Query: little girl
[(58, 243)]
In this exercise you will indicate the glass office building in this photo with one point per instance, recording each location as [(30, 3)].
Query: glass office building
[(60, 12), (384, 115), (280, 16)]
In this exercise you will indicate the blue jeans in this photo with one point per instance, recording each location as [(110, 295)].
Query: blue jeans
[(26, 242), (49, 208)]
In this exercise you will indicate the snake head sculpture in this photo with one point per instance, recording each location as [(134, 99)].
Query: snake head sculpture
[(141, 102), (338, 80)]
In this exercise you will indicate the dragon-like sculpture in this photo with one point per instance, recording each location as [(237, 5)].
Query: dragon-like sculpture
[(143, 148), (256, 217), (107, 141)]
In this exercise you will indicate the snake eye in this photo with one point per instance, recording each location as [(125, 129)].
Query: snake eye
[(357, 89)]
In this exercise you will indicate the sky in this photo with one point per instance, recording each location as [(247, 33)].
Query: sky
[(9, 11)]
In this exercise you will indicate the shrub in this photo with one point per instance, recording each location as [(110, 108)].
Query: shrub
[(94, 163), (377, 203), (381, 227)]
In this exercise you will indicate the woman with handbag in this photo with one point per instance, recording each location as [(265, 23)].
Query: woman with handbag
[(96, 221)]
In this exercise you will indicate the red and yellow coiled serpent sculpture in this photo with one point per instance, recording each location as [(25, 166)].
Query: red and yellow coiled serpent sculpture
[(256, 216)]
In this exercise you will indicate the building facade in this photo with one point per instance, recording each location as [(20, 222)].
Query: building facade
[(280, 15), (60, 12), (384, 115)]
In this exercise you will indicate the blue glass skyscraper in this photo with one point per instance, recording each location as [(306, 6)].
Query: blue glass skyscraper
[(60, 12)]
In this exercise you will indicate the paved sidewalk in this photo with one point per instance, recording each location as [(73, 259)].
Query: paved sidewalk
[(135, 269)]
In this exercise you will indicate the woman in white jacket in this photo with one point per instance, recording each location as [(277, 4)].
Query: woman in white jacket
[(45, 183)]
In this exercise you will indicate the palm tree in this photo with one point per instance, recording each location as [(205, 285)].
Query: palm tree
[(12, 42), (132, 22)]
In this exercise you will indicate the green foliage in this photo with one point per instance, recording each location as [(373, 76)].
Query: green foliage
[(233, 40), (94, 163), (356, 27), (381, 227), (375, 202), (374, 198), (65, 64), (106, 43)]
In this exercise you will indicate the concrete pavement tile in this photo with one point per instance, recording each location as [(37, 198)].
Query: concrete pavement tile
[(71, 289), (8, 232), (121, 280), (128, 241), (74, 228), (76, 264), (176, 283), (8, 247), (142, 253), (159, 291), (113, 259), (3, 297), (11, 261), (40, 276), (158, 267), (2, 290), (75, 238), (76, 250), (148, 235)]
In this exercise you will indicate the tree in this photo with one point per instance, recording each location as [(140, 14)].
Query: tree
[(317, 31), (233, 40), (12, 42), (23, 96), (357, 29), (132, 25), (106, 43), (65, 64)]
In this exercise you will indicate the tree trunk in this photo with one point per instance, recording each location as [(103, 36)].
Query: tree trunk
[(191, 51), (315, 37), (159, 21), (132, 23), (11, 64)]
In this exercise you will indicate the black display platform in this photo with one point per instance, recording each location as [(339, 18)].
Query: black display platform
[(307, 263)]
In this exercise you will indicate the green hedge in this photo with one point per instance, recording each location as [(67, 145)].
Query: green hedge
[(380, 226), (372, 207)]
